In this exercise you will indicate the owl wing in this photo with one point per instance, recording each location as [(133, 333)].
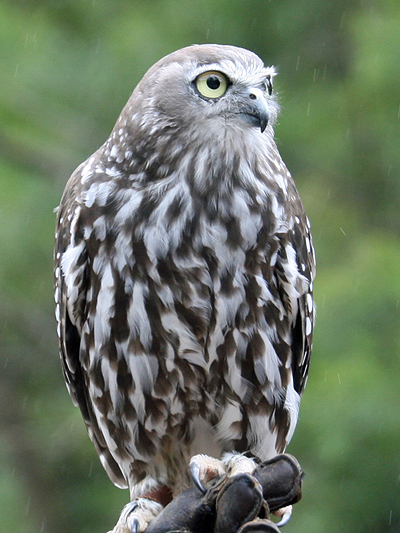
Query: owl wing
[(289, 274), (303, 321), (71, 284)]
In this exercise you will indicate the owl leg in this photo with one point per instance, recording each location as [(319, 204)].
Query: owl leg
[(137, 514), (237, 463), (204, 468)]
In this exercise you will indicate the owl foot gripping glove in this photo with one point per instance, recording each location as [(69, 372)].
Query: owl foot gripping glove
[(227, 505), (239, 504)]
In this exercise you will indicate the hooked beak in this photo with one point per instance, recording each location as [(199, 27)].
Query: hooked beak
[(255, 107)]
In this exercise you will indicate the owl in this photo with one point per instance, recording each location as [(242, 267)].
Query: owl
[(184, 273)]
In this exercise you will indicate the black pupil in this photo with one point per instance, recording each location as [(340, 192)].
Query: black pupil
[(213, 82)]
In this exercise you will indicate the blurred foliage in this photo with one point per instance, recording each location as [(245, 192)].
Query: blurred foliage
[(67, 69)]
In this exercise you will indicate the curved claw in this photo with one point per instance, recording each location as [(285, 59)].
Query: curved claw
[(195, 473), (137, 515), (135, 526), (286, 514)]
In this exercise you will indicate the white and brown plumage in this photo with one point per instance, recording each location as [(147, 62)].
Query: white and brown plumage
[(184, 269)]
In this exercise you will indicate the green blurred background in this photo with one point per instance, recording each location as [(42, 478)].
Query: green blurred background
[(66, 70)]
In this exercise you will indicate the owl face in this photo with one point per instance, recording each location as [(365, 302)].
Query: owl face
[(210, 87)]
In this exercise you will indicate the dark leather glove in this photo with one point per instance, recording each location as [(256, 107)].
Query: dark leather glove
[(239, 504)]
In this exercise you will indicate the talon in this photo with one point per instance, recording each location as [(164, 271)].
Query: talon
[(285, 513), (203, 469), (136, 515), (259, 526), (195, 473), (135, 526)]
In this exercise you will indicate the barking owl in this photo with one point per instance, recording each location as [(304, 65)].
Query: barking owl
[(183, 281)]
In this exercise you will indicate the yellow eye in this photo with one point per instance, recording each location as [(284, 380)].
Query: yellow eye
[(211, 84)]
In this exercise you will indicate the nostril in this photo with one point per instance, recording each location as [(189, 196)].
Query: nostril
[(252, 96)]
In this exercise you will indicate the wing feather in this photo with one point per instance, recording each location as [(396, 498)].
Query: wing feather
[(71, 283)]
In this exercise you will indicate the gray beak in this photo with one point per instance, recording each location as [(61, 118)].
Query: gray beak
[(255, 107)]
